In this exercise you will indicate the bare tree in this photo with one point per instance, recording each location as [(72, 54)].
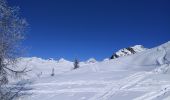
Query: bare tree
[(76, 64), (12, 29)]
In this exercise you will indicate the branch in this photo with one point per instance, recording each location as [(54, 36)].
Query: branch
[(15, 71)]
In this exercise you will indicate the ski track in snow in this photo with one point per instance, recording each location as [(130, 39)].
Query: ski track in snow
[(103, 93), (106, 89), (75, 90), (123, 84), (131, 81), (74, 83), (161, 61), (152, 95)]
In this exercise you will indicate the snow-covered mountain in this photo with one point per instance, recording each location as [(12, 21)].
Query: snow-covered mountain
[(140, 76), (91, 60), (45, 66), (128, 51)]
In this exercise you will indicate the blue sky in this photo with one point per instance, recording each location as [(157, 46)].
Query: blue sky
[(92, 28)]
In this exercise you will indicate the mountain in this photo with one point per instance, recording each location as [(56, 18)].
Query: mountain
[(128, 51), (91, 60), (62, 60), (139, 76), (44, 66)]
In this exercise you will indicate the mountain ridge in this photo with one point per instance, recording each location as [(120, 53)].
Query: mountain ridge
[(128, 51)]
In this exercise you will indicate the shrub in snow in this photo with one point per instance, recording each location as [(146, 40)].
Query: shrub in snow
[(76, 64), (52, 74)]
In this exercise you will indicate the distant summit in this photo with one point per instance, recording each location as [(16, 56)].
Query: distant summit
[(62, 60), (128, 51), (91, 60)]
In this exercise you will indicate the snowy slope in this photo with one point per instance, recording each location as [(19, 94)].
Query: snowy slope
[(141, 76), (41, 67), (128, 51)]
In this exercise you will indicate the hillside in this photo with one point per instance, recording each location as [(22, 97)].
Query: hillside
[(144, 75), (128, 51)]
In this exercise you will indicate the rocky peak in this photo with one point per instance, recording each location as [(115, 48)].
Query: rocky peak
[(128, 51)]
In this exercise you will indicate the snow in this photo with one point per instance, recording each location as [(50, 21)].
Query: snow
[(139, 48), (106, 59), (141, 76), (128, 51), (42, 67), (91, 60)]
